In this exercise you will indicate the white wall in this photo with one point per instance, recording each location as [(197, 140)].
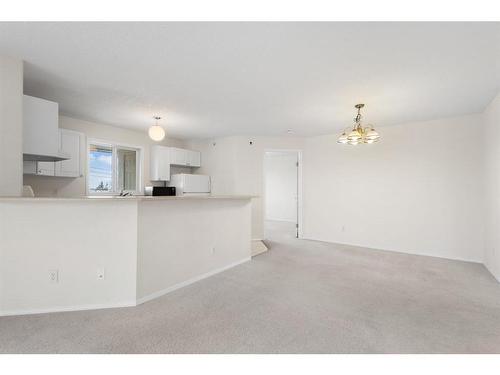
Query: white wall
[(237, 167), (77, 238), (417, 191), (146, 247), (70, 187), (280, 178), (11, 126), (492, 187), (197, 237)]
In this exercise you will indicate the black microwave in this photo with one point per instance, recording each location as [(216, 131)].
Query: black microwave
[(158, 191)]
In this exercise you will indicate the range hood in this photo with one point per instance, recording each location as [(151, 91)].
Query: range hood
[(41, 130)]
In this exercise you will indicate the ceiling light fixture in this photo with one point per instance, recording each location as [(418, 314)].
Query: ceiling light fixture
[(156, 132), (358, 135)]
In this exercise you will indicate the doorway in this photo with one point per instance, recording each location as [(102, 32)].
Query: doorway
[(282, 190)]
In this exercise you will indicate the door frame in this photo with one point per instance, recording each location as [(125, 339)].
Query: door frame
[(299, 185)]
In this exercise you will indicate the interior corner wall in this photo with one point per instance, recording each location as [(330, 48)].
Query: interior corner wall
[(419, 190), (492, 187), (11, 126), (236, 166)]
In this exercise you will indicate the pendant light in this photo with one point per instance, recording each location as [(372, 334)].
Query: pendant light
[(156, 132), (359, 135)]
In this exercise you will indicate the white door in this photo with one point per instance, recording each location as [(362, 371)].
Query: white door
[(281, 188)]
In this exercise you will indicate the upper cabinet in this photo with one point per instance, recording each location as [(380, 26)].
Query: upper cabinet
[(159, 164), (184, 158), (70, 144), (193, 158), (40, 130), (163, 157), (178, 156)]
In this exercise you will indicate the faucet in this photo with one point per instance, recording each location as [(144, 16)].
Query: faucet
[(124, 194)]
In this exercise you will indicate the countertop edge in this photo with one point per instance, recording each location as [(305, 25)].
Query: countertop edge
[(126, 199)]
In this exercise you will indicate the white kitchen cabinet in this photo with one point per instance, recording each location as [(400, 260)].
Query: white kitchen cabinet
[(178, 156), (193, 158), (163, 157), (160, 163), (42, 168), (185, 158), (70, 142), (40, 130), (29, 167), (46, 168)]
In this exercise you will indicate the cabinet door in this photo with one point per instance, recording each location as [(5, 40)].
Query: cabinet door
[(29, 167), (178, 156), (160, 163), (194, 159), (45, 168), (70, 143)]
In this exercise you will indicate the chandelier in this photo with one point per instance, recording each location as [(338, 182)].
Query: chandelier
[(358, 134)]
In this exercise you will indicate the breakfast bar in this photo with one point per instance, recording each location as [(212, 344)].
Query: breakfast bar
[(63, 254)]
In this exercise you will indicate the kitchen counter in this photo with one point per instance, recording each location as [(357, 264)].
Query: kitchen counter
[(109, 251), (126, 198)]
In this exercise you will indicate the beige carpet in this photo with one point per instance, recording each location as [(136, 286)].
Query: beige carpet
[(298, 297)]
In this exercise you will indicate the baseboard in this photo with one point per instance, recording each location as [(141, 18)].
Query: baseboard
[(182, 284), (282, 220), (492, 273), (394, 251), (122, 304), (67, 309)]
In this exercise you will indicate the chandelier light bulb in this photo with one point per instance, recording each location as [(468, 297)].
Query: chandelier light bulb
[(156, 132), (342, 138), (354, 135)]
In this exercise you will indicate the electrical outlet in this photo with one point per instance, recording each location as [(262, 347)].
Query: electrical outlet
[(54, 276), (101, 274)]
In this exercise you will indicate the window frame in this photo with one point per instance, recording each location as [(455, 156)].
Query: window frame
[(114, 146)]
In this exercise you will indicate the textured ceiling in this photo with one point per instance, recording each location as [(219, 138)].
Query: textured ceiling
[(216, 79)]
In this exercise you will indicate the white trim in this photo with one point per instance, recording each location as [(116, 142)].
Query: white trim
[(114, 145), (124, 304), (492, 273), (395, 251), (299, 185), (68, 308), (278, 219), (182, 284)]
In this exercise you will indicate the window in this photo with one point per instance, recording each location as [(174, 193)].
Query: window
[(113, 168)]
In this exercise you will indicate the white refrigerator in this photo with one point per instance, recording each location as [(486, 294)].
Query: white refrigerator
[(190, 184)]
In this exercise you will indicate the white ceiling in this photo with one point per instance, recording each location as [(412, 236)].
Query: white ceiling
[(216, 79)]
